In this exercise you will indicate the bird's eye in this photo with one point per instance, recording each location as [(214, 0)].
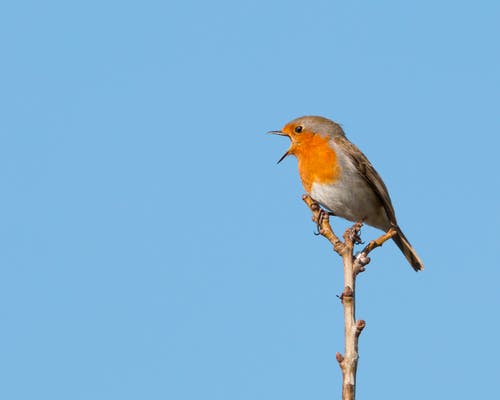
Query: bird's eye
[(298, 129)]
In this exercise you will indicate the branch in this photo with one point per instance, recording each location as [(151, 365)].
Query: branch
[(362, 259), (352, 267), (323, 222)]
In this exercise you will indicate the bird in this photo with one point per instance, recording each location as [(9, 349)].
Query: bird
[(338, 176)]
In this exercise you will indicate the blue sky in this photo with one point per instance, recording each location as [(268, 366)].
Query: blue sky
[(151, 248)]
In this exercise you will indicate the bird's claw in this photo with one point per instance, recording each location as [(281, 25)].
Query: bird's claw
[(353, 234), (321, 217), (319, 221)]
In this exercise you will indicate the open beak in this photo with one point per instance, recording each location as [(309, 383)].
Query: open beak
[(283, 157), (281, 134)]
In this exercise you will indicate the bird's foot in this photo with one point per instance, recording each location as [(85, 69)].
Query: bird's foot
[(352, 234), (321, 217)]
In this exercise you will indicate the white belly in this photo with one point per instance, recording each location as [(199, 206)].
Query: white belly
[(353, 199)]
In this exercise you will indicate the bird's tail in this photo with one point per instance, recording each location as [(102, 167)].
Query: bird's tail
[(409, 252)]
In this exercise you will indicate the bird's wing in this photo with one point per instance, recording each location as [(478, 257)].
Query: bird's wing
[(366, 170)]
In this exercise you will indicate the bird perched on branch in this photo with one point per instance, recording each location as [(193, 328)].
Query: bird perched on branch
[(336, 174)]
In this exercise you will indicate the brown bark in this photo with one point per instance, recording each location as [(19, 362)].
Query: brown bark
[(352, 267)]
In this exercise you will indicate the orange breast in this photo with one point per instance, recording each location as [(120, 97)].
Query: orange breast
[(317, 161)]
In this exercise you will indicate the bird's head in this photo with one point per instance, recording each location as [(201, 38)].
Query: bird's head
[(306, 132)]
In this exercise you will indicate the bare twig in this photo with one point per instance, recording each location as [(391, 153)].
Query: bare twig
[(379, 242), (352, 267), (322, 220), (362, 258)]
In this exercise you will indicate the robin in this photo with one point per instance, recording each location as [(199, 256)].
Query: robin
[(336, 174)]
